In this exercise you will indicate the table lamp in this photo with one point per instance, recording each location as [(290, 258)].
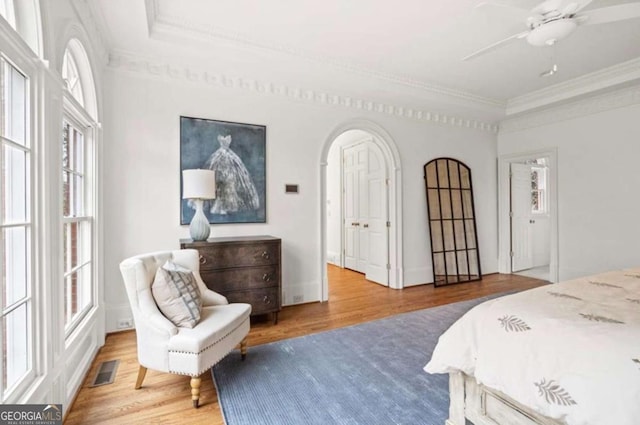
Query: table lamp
[(198, 185)]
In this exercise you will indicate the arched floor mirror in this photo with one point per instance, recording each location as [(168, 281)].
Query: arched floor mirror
[(452, 223)]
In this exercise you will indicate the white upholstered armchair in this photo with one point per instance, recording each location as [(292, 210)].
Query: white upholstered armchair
[(164, 347)]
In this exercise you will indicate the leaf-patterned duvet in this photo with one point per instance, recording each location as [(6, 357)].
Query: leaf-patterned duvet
[(570, 351)]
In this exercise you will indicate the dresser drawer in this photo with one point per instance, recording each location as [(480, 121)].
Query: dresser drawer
[(262, 301), (238, 255), (241, 278)]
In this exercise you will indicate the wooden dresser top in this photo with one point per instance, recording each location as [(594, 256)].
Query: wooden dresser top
[(248, 239)]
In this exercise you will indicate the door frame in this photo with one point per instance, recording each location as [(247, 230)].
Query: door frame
[(383, 140), (504, 202)]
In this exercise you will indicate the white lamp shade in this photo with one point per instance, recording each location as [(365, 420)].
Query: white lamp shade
[(198, 184)]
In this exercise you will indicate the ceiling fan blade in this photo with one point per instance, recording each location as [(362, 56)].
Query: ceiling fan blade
[(582, 4), (495, 45), (612, 14)]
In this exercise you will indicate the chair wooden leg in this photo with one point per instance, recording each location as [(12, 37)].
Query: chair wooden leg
[(195, 391), (142, 372), (243, 349)]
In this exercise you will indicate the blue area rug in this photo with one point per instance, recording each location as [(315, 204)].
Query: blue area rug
[(367, 374)]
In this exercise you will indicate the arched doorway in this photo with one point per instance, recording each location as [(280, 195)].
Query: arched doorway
[(383, 150)]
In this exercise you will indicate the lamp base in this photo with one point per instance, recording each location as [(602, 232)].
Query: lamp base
[(199, 228)]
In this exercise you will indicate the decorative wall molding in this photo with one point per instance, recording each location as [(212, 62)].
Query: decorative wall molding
[(605, 78), (160, 69), (168, 27), (615, 99)]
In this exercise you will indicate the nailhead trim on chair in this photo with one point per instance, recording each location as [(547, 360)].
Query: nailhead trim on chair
[(205, 349)]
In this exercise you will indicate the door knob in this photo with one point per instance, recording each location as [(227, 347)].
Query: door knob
[(365, 225)]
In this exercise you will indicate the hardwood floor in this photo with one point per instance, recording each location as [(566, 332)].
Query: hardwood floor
[(165, 398)]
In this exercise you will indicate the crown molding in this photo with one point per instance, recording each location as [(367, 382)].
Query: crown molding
[(155, 67), (167, 27), (621, 73), (592, 105)]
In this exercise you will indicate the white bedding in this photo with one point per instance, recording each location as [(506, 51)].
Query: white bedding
[(570, 351)]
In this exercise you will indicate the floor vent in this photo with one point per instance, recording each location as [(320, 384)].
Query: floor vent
[(106, 373)]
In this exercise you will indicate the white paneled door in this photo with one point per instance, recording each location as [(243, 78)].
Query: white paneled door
[(521, 223), (366, 236)]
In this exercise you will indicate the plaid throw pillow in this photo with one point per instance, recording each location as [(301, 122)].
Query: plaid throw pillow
[(177, 295)]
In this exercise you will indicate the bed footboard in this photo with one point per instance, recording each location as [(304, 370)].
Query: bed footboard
[(483, 406)]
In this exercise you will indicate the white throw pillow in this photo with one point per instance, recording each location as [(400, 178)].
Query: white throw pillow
[(178, 297)]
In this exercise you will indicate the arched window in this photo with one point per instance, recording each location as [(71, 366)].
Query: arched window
[(78, 185), (24, 17), (71, 77)]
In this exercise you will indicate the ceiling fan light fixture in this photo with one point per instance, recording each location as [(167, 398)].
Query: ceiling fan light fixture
[(550, 32)]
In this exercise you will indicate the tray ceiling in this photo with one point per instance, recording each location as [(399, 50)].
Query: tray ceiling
[(414, 47)]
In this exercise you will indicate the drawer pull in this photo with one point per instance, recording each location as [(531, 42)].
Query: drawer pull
[(203, 260), (266, 255), (266, 277), (266, 300)]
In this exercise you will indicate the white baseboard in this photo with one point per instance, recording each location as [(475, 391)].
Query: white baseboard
[(116, 313), (417, 276), (300, 293), (334, 258)]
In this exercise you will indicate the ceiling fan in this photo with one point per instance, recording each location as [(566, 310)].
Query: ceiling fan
[(553, 20)]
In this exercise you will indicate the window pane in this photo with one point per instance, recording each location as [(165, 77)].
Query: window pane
[(78, 195), (78, 151), (18, 130), (66, 194), (78, 293), (71, 77), (70, 298), (84, 287), (14, 104), (15, 338), (14, 185), (66, 129), (71, 246), (14, 264), (72, 194)]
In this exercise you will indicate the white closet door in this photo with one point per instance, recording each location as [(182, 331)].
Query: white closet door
[(521, 228), (350, 193), (376, 223), (366, 237)]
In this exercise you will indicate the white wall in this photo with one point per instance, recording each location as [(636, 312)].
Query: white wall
[(598, 180), (141, 130)]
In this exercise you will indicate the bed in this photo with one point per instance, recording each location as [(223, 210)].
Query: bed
[(566, 354)]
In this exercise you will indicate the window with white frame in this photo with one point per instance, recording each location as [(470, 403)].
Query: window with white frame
[(77, 195), (16, 298), (539, 189)]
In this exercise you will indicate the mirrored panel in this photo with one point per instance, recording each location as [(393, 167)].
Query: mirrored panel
[(452, 226)]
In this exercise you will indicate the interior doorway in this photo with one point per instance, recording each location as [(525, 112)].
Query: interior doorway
[(528, 215), (357, 213), (361, 205)]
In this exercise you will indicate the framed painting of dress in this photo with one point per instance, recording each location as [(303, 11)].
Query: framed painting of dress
[(237, 154)]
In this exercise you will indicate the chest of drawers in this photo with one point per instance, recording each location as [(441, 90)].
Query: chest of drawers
[(244, 269)]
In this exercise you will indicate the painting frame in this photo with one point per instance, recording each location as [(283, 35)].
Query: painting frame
[(237, 153)]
